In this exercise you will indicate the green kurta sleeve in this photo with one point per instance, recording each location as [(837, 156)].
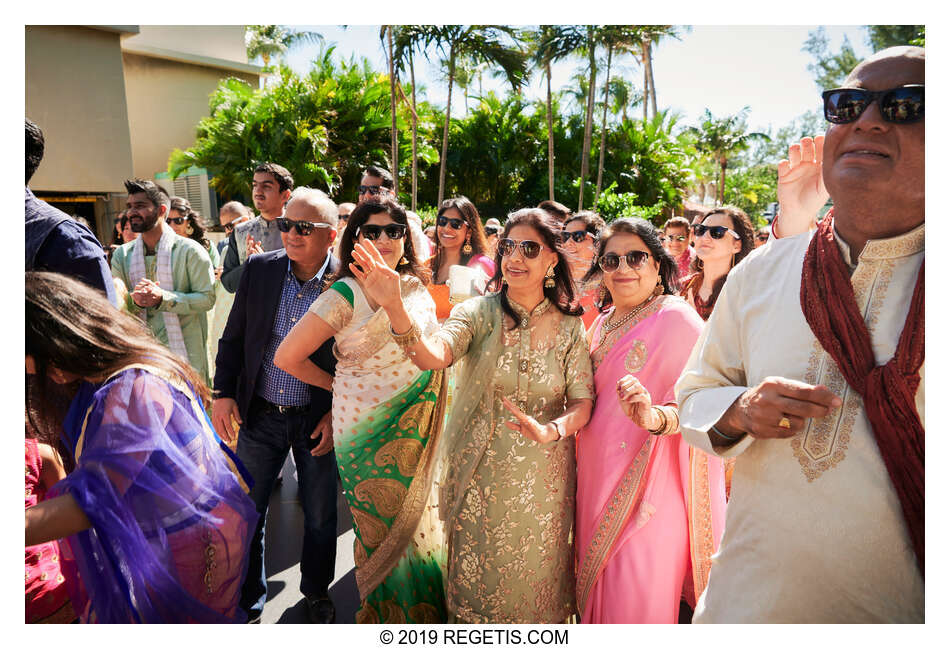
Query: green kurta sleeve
[(194, 276)]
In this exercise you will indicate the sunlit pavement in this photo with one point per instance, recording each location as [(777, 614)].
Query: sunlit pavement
[(283, 542)]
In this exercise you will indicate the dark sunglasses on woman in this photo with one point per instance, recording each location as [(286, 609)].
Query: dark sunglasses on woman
[(762, 237), (455, 223), (393, 231), (177, 220), (530, 249), (490, 230), (304, 228), (577, 236), (634, 259), (900, 105), (715, 231)]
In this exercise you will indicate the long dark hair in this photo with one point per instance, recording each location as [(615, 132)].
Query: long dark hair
[(357, 219), (117, 234), (742, 224), (651, 237), (73, 327), (183, 207), (478, 241), (549, 229)]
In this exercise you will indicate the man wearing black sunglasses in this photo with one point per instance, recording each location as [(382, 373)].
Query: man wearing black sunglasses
[(809, 372), (375, 185), (280, 414)]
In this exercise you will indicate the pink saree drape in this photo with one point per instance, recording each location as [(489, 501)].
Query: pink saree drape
[(650, 510)]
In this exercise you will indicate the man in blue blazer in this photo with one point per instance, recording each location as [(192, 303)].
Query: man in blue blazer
[(278, 413)]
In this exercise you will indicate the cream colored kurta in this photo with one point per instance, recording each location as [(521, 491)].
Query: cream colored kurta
[(814, 530)]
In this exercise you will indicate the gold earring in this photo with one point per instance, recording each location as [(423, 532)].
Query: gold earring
[(602, 294), (190, 230), (402, 261), (659, 287), (549, 278), (467, 248)]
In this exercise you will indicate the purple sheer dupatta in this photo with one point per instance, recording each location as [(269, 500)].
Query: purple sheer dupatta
[(171, 522)]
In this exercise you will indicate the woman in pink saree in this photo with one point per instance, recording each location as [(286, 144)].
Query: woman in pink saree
[(650, 509)]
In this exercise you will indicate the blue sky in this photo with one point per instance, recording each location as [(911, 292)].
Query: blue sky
[(723, 68)]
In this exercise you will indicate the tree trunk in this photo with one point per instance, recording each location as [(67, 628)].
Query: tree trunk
[(722, 180), (589, 117), (603, 129), (649, 73), (445, 130), (644, 58), (415, 126), (547, 70), (392, 108)]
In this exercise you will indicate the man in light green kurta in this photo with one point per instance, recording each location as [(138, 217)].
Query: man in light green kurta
[(191, 294)]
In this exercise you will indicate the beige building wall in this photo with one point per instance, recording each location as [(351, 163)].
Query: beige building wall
[(216, 41), (75, 92), (166, 100)]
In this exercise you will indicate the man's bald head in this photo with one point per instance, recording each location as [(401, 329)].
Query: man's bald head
[(316, 203), (873, 168)]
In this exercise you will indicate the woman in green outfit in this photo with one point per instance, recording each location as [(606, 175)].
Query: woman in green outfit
[(387, 418), (524, 388)]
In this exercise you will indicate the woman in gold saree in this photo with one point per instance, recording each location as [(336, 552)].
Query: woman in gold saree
[(387, 417), (524, 388)]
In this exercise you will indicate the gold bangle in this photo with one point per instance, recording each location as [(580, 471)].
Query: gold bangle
[(662, 427), (671, 421), (408, 339)]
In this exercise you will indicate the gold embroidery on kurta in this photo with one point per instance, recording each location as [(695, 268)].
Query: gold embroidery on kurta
[(367, 615), (386, 494), (424, 614), (392, 612), (636, 358)]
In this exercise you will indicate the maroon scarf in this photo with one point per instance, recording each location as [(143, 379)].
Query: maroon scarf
[(888, 390)]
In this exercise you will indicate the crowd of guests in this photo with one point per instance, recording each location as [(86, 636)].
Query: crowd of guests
[(545, 419)]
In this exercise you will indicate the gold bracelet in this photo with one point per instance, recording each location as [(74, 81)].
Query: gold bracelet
[(408, 339), (671, 421), (662, 427)]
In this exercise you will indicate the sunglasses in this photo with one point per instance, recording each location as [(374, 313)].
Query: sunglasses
[(455, 223), (762, 237), (900, 105), (715, 231), (491, 230), (343, 217), (577, 236), (530, 249), (304, 228), (375, 190), (634, 260), (229, 227), (177, 220), (393, 231)]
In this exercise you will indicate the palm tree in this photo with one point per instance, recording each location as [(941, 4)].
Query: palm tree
[(551, 43), (651, 34), (268, 41), (620, 39), (479, 43), (386, 35), (408, 38), (721, 139), (590, 46)]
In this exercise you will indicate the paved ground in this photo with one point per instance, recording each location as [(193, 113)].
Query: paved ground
[(283, 542)]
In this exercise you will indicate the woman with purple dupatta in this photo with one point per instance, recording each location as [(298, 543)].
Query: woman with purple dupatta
[(650, 509), (155, 521)]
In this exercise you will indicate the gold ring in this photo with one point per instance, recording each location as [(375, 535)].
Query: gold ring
[(785, 423)]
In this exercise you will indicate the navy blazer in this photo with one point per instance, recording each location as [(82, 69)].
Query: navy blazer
[(241, 347)]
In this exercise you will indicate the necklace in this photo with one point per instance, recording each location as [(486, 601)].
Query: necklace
[(607, 327)]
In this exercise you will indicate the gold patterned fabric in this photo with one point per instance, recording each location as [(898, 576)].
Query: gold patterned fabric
[(508, 502)]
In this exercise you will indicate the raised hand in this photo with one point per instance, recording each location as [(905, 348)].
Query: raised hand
[(801, 190), (380, 282), (253, 247), (529, 426), (636, 402)]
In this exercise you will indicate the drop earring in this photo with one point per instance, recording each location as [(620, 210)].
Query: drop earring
[(467, 248), (549, 278), (659, 287)]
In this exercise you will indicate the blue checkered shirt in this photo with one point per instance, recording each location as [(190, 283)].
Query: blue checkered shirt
[(274, 384)]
